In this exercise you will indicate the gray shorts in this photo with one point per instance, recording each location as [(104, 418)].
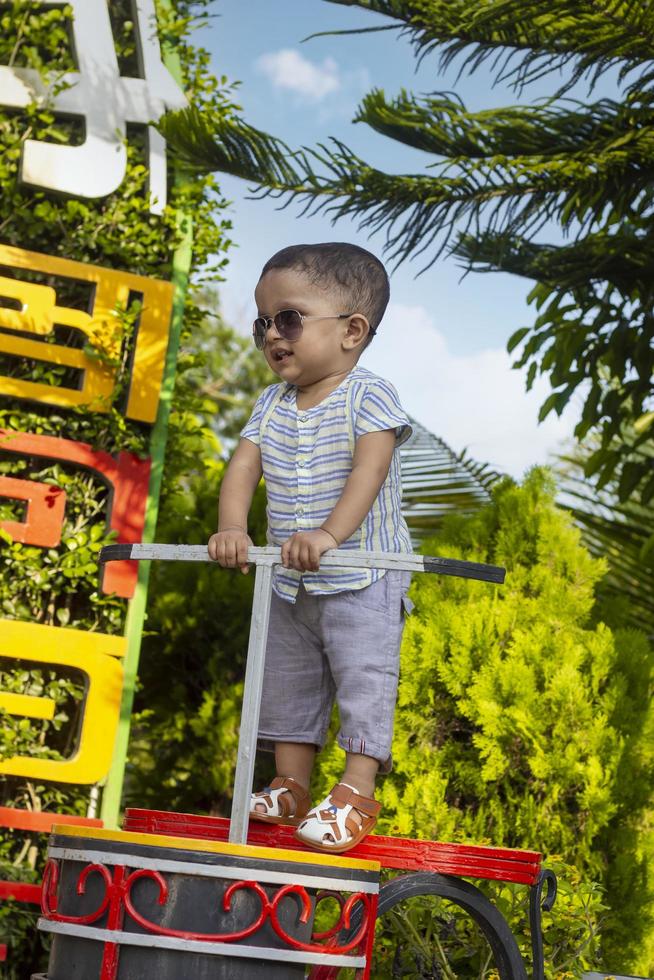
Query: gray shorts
[(344, 646)]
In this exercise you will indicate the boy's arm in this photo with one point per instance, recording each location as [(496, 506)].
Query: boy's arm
[(370, 465), (229, 545)]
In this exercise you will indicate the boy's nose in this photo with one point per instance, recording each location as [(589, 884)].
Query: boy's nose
[(271, 329)]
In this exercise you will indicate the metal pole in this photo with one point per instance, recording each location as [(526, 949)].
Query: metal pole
[(247, 741)]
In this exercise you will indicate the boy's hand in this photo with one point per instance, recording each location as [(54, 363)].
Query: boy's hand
[(230, 548), (303, 549)]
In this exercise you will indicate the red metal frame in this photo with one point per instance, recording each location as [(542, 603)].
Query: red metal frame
[(41, 822), (399, 853), (20, 891)]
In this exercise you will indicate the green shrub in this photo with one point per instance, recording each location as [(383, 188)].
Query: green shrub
[(518, 719)]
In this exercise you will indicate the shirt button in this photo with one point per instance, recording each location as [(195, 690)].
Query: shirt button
[(300, 511), (301, 461), (302, 418)]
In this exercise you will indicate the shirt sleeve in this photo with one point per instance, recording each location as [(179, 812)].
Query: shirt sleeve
[(380, 409), (251, 428)]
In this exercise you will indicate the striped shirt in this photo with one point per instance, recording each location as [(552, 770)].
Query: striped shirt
[(306, 456)]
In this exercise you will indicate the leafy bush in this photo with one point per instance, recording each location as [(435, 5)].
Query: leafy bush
[(518, 719)]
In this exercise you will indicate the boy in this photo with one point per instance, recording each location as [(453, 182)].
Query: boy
[(325, 440)]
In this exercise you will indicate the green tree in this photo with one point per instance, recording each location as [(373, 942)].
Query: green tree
[(501, 176), (522, 723)]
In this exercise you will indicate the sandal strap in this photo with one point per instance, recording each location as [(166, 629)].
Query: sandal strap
[(344, 815), (297, 791), (343, 795), (276, 796)]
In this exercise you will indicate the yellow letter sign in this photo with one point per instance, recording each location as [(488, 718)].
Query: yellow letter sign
[(32, 310), (97, 656)]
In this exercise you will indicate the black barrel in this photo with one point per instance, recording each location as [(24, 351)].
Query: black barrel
[(125, 906)]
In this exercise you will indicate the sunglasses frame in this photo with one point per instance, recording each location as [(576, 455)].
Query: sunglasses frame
[(260, 338)]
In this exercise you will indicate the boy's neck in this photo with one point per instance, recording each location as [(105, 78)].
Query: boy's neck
[(308, 396)]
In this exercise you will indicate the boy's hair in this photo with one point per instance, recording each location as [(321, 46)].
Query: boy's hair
[(359, 274)]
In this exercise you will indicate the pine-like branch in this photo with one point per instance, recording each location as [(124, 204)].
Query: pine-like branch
[(515, 193), (440, 124), (623, 257), (524, 39), (225, 143)]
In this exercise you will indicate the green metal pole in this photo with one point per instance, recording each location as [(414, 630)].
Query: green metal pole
[(112, 791)]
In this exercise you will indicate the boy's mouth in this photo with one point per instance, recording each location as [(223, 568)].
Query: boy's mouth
[(280, 354)]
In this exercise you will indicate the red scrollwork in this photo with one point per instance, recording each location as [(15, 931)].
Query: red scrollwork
[(322, 896), (222, 937), (343, 922), (50, 903), (118, 898)]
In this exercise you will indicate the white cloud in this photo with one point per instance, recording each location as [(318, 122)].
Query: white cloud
[(474, 401), (290, 71)]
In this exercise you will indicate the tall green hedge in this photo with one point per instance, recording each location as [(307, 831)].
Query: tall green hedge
[(59, 586)]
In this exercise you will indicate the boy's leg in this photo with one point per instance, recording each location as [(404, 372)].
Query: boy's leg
[(361, 633), (298, 690), (295, 759), (360, 773), (298, 693)]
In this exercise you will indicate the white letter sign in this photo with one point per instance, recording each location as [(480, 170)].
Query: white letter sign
[(105, 100)]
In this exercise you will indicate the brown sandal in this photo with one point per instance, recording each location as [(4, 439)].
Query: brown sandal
[(286, 802), (331, 826)]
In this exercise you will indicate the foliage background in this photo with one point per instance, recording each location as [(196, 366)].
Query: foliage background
[(500, 730), (59, 586)]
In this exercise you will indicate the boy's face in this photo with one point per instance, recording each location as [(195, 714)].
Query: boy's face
[(326, 347)]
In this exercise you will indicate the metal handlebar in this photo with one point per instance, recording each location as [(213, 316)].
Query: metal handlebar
[(341, 558), (265, 559)]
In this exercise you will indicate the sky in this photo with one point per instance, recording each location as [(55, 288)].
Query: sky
[(443, 340)]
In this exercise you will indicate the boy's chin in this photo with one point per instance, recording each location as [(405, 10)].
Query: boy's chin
[(283, 368)]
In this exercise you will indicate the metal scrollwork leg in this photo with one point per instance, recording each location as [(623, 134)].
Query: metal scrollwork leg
[(538, 904)]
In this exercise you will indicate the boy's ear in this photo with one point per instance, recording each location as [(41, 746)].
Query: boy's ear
[(356, 332)]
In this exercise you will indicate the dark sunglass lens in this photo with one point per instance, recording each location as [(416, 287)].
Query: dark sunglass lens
[(289, 324), (259, 328)]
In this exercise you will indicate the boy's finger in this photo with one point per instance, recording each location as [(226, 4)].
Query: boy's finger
[(307, 557), (242, 552)]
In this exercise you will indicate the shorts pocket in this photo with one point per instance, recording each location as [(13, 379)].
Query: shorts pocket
[(374, 596)]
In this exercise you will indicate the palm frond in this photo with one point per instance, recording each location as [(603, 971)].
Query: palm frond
[(622, 257), (622, 533), (439, 123), (436, 482), (352, 30)]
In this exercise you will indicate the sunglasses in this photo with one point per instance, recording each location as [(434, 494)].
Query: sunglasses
[(288, 323)]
